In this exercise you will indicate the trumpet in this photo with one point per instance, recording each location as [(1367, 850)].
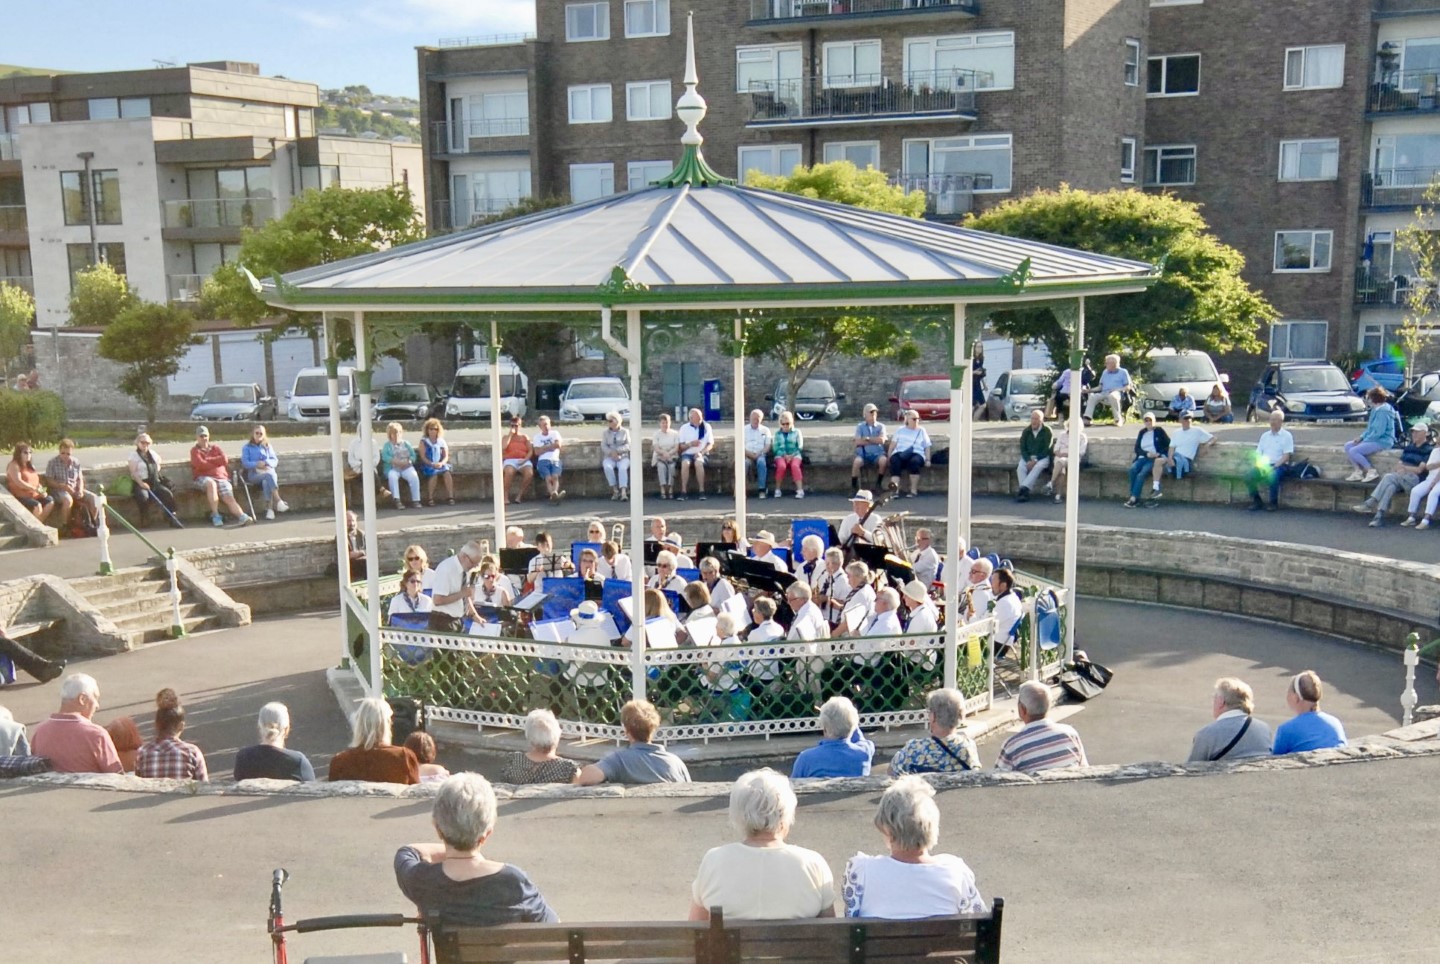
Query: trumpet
[(484, 548)]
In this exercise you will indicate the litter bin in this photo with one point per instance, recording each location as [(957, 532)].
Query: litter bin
[(547, 394), (712, 400)]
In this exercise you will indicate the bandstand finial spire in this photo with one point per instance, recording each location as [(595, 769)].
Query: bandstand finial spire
[(691, 108)]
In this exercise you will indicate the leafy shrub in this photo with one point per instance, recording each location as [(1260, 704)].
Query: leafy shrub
[(36, 416)]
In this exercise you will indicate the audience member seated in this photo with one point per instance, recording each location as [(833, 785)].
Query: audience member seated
[(541, 763), (1152, 452), (23, 481), (1060, 463), (126, 737), (1310, 728), (1409, 472), (516, 456), (270, 759), (65, 480), (371, 756), (422, 744), (615, 457), (13, 741), (1271, 463), (453, 881), (1426, 493), (355, 546), (947, 748), (1216, 409), (149, 485), (757, 442), (410, 600), (69, 738), (665, 457), (21, 657), (397, 462), (435, 461), (1182, 403), (1114, 384), (1235, 733), (843, 751), (789, 450), (909, 453), (167, 757), (1185, 446), (1380, 432), (870, 444), (761, 877), (210, 474), (697, 440), (1036, 449), (258, 464), (1041, 744), (643, 761), (909, 882)]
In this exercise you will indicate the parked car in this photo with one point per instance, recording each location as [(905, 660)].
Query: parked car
[(1315, 392), (1168, 370), (1388, 373), (816, 398), (1017, 393), (1421, 399), (592, 398), (234, 403), (404, 401), (470, 392), (309, 398), (929, 395)]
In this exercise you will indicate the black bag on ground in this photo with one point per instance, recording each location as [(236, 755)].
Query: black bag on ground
[(408, 715), (1085, 680)]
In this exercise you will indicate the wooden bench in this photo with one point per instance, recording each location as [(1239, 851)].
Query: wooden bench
[(822, 940)]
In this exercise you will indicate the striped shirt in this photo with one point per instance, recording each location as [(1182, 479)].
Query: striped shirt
[(1042, 745)]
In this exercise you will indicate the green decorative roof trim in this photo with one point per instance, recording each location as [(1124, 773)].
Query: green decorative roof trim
[(1017, 279), (621, 284), (693, 170)]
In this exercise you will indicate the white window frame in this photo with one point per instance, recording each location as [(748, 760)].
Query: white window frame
[(1287, 355), (971, 142), (637, 178), (1165, 73), (977, 40), (1315, 236), (660, 11), (1304, 53), (1176, 3), (841, 147), (854, 47), (643, 92), (1299, 146), (776, 164), (603, 170), (591, 90), (1133, 62), (1160, 151), (769, 53), (1130, 146), (600, 10), (1410, 76)]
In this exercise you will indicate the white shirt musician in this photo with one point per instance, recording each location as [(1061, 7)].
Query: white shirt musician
[(924, 557), (924, 617), (764, 546), (862, 596), (809, 623), (831, 584), (860, 505), (718, 586)]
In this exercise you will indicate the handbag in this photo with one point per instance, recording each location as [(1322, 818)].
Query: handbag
[(1085, 680)]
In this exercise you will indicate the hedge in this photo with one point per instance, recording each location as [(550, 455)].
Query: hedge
[(35, 416)]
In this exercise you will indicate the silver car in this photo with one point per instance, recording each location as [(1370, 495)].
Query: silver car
[(234, 403), (1016, 394)]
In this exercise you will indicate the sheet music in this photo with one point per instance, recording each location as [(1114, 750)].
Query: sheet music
[(735, 606), (607, 622), (552, 630), (627, 606), (701, 630), (853, 617), (660, 633), (485, 629), (531, 601)]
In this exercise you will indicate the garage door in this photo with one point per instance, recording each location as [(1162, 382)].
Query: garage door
[(242, 357), (288, 356), (197, 371)]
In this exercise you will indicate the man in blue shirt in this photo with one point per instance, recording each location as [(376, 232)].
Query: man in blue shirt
[(843, 752), (1409, 472), (1114, 383)]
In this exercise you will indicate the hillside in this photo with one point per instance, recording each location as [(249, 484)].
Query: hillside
[(357, 111), (12, 70)]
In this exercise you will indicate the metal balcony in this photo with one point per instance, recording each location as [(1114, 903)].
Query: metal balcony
[(808, 13), (447, 215), (242, 212), (184, 288), (13, 218), (1392, 9), (853, 99), (9, 147), (475, 136), (947, 196), (1405, 92), (1396, 188)]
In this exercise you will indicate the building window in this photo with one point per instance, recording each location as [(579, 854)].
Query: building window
[(1173, 164), (1310, 160), (104, 190), (109, 108), (767, 68), (1174, 75), (18, 115), (1303, 250), (112, 254), (1419, 62), (1299, 340), (1314, 68), (852, 63), (319, 178), (1127, 160), (591, 181), (590, 104), (773, 159), (642, 174), (587, 21), (647, 100), (647, 18), (480, 194), (980, 163), (1405, 160), (1132, 63), (981, 60), (862, 154)]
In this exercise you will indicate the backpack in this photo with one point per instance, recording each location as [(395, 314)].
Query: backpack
[(1305, 470)]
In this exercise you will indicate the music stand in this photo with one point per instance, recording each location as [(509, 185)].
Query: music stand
[(516, 562), (652, 550), (872, 555), (716, 549)]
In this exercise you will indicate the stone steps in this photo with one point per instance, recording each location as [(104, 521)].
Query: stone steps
[(137, 601)]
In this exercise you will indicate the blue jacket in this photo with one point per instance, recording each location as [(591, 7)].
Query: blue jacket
[(1383, 426), (835, 758), (253, 456)]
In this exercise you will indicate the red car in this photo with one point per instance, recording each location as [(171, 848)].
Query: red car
[(927, 394)]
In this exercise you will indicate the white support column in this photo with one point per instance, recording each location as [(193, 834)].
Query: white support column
[(1072, 483), (955, 570), (497, 467), (635, 343), (337, 473), (737, 375), (962, 432), (364, 371)]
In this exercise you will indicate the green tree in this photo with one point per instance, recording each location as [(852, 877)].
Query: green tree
[(98, 297), (17, 312), (1200, 301), (802, 340), (1421, 241), (149, 339)]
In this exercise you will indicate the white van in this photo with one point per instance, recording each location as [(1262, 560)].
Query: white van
[(309, 398), (470, 392), (1168, 370)]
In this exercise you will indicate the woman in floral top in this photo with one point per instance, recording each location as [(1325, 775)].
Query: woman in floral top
[(947, 748), (540, 764), (787, 447)]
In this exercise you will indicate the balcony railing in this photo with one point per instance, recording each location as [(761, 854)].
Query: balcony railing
[(490, 40), (946, 195), (471, 135), (242, 212), (815, 101), (1401, 91), (9, 147), (1379, 289), (1385, 9), (184, 288), (1396, 187), (771, 11), (453, 215), (12, 217), (20, 281)]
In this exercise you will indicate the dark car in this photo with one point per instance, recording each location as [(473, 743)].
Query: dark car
[(816, 398), (1315, 392), (234, 403), (1421, 399), (407, 401)]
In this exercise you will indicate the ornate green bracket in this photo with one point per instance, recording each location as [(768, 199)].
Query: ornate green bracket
[(1016, 280), (619, 285)]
